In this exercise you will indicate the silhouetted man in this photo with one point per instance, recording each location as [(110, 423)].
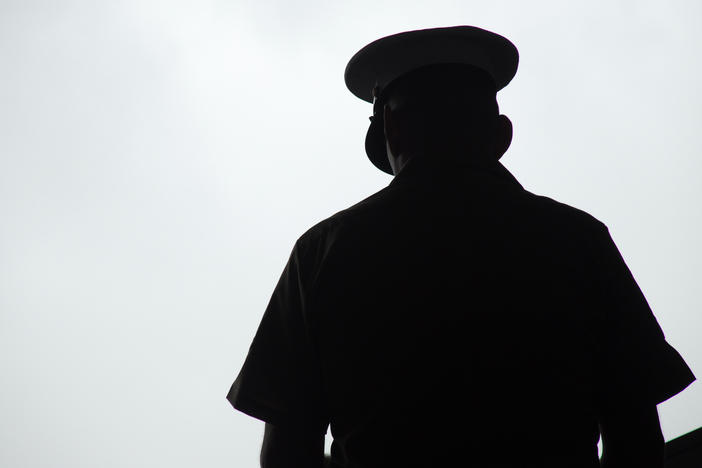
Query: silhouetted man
[(454, 318)]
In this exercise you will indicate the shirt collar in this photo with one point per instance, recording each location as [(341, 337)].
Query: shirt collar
[(428, 169)]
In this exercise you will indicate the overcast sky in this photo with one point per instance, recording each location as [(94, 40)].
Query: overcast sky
[(159, 159)]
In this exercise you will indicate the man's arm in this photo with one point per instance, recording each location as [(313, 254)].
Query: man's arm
[(291, 448), (631, 437)]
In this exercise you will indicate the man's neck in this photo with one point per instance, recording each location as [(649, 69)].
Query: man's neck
[(441, 159)]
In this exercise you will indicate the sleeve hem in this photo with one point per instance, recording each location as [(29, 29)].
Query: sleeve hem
[(266, 414), (664, 395)]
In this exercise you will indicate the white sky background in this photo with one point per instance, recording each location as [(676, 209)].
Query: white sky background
[(158, 160)]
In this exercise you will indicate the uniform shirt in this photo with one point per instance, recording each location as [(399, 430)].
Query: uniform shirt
[(455, 319)]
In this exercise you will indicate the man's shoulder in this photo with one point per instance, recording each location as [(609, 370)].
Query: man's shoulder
[(371, 210), (561, 213), (353, 216)]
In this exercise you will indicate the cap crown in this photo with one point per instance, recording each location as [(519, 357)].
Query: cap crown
[(386, 59)]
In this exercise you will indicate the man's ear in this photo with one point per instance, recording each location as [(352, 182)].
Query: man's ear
[(503, 135)]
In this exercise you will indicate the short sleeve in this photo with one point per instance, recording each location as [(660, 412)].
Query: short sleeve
[(280, 381), (635, 361)]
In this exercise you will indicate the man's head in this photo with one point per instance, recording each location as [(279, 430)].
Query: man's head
[(443, 101), (443, 111)]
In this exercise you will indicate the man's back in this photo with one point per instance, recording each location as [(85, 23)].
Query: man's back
[(453, 306), (455, 319), (454, 315)]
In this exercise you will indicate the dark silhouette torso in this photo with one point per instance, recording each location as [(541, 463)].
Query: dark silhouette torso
[(454, 319)]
